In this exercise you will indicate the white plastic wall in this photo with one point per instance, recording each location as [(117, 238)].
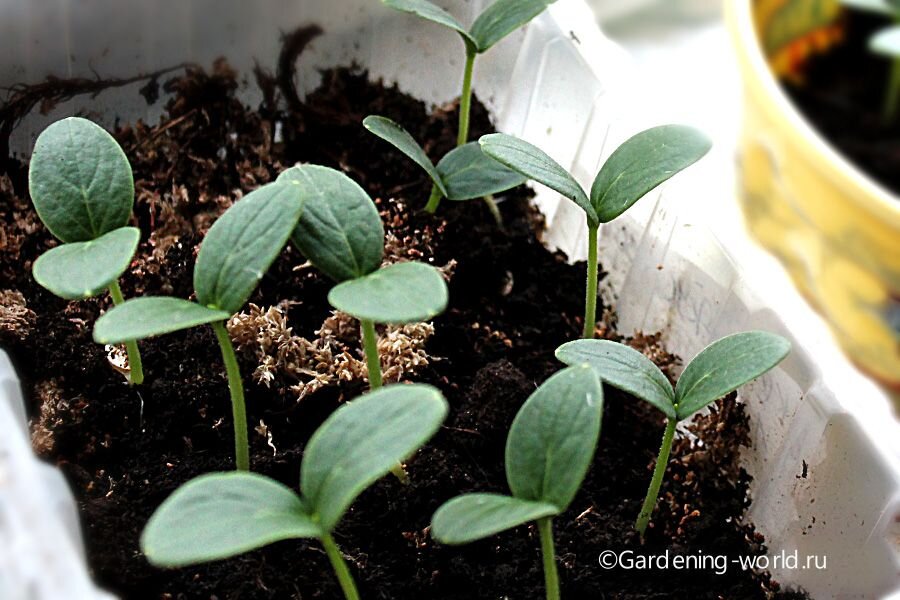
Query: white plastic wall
[(556, 84)]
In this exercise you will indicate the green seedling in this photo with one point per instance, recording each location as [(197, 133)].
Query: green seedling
[(464, 173), (221, 515), (496, 22), (341, 234), (636, 167), (238, 249), (549, 449), (721, 368), (885, 42), (83, 191)]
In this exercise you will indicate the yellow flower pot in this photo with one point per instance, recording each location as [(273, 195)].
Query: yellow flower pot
[(835, 230)]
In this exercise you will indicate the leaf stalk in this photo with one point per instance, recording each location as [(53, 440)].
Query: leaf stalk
[(340, 568), (238, 405), (590, 297), (465, 100), (370, 346)]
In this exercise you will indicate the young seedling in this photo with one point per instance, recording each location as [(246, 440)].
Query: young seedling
[(221, 515), (548, 452), (887, 43), (341, 234), (496, 22), (237, 250), (83, 191), (636, 167), (465, 173), (721, 368)]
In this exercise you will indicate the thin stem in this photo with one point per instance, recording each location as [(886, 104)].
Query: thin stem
[(340, 568), (551, 576), (658, 472), (590, 294), (135, 365), (495, 210), (434, 200), (465, 101), (370, 346), (892, 97), (236, 388)]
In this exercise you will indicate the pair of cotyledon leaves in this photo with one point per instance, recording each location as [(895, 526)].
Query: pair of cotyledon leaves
[(224, 514), (635, 168), (887, 40), (83, 190), (719, 369), (464, 173), (496, 22), (331, 220), (549, 449)]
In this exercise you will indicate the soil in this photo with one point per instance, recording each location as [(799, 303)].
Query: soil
[(124, 449), (842, 94)]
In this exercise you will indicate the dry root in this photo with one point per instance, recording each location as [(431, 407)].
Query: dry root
[(333, 357)]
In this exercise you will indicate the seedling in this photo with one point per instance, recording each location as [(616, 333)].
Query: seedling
[(237, 251), (465, 173), (341, 234), (635, 168), (721, 368), (548, 452), (222, 515), (887, 43), (496, 22), (83, 191)]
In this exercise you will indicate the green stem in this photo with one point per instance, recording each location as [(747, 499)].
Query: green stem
[(135, 365), (551, 577), (340, 568), (434, 200), (590, 294), (465, 101), (893, 93), (236, 388), (658, 472), (495, 210), (370, 346)]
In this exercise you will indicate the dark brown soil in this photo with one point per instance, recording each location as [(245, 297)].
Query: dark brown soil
[(842, 95), (125, 449)]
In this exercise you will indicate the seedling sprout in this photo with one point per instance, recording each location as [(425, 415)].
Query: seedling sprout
[(83, 190), (549, 449), (886, 43), (636, 167), (721, 368), (464, 173), (236, 252), (496, 22), (221, 515)]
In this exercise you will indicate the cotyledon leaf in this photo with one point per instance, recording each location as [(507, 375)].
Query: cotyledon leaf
[(432, 12), (394, 134), (141, 318), (473, 517), (502, 18), (84, 269), (468, 173)]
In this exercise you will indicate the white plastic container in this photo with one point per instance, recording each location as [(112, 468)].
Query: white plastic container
[(555, 84)]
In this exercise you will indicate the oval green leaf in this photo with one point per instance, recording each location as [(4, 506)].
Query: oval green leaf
[(473, 517), (391, 132), (241, 245), (340, 231), (84, 269), (887, 42), (401, 293), (363, 440), (219, 515), (552, 439), (80, 181), (643, 162), (468, 173), (141, 318), (624, 368), (432, 12), (533, 163), (502, 18), (726, 365)]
